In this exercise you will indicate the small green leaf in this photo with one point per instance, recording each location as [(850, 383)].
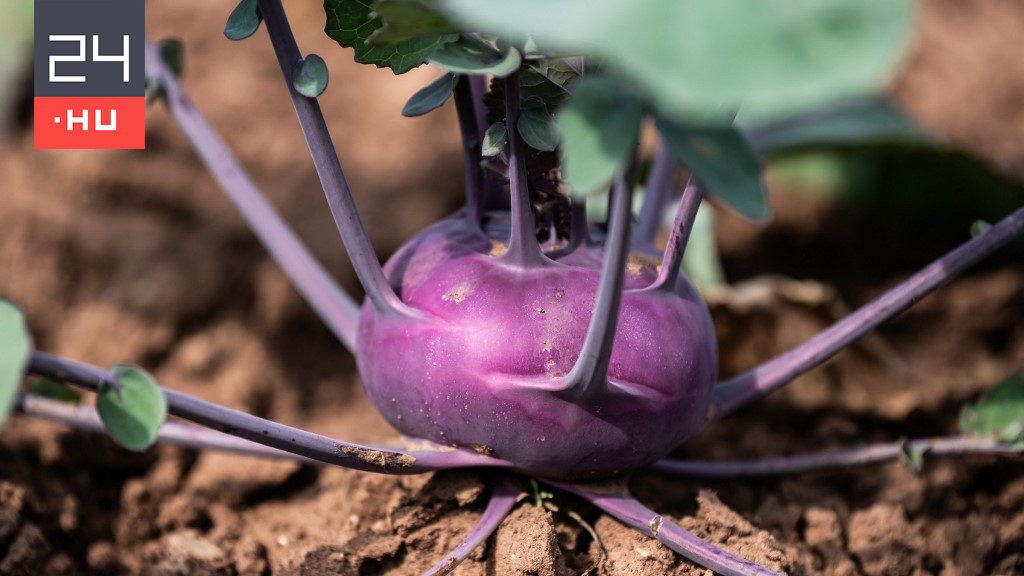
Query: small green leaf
[(172, 52), (310, 76), (536, 126), (15, 349), (598, 128), (979, 227), (432, 96), (351, 23), (244, 20), (132, 415), (724, 163), (851, 123), (468, 55), (1000, 413), (495, 139), (912, 456), (407, 19), (55, 390), (700, 260)]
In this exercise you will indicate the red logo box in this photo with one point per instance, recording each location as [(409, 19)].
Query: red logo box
[(90, 122)]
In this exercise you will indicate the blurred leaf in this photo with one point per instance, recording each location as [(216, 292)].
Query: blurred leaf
[(979, 227), (15, 349), (243, 21), (55, 390), (407, 19), (856, 122), (467, 55), (724, 163), (562, 72), (913, 456), (700, 260), (495, 139), (695, 57), (132, 415), (172, 52), (351, 22), (598, 127), (536, 125), (309, 77), (430, 97), (1000, 413)]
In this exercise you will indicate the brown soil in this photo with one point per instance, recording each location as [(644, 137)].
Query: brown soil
[(126, 256)]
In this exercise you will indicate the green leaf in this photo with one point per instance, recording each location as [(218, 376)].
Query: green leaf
[(858, 122), (724, 163), (407, 19), (495, 139), (694, 57), (172, 52), (999, 414), (598, 128), (979, 227), (15, 349), (912, 456), (132, 415), (432, 96), (536, 126), (55, 390), (700, 260), (562, 72), (310, 76), (467, 55), (243, 21), (351, 22)]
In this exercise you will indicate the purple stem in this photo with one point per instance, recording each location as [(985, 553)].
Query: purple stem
[(471, 151), (523, 248), (589, 375), (672, 259), (958, 445), (336, 308), (747, 387), (268, 432), (328, 168), (631, 512), (498, 507), (656, 193), (179, 433)]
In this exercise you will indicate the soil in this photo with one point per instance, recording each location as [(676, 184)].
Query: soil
[(123, 256)]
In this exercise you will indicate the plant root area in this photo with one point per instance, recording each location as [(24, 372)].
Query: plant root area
[(120, 256)]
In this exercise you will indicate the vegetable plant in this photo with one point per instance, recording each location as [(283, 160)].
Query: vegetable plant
[(517, 334)]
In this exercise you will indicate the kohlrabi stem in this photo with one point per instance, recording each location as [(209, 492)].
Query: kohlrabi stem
[(954, 446), (589, 375), (328, 168), (743, 389), (336, 308), (628, 510), (179, 433), (523, 248), (268, 432), (498, 506), (471, 142), (672, 259), (477, 89), (656, 196)]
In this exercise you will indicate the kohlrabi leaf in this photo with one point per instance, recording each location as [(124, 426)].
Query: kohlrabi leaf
[(536, 125), (598, 127), (55, 390), (15, 348), (430, 97), (467, 55), (408, 19), (723, 162), (869, 121), (700, 260), (172, 52), (696, 58), (562, 72), (351, 22), (310, 76), (495, 139), (243, 21), (132, 415), (999, 414)]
